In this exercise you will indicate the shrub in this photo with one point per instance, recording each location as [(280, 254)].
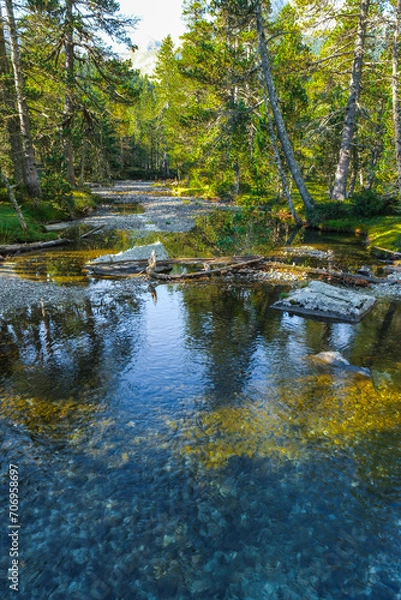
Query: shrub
[(57, 191), (370, 204), (333, 210)]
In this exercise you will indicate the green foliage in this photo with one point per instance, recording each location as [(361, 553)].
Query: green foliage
[(331, 210), (56, 189), (384, 232), (368, 203), (10, 228), (247, 230)]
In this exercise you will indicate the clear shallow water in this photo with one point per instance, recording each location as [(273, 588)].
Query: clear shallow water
[(193, 448)]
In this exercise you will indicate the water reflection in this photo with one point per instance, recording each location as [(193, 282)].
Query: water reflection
[(190, 448)]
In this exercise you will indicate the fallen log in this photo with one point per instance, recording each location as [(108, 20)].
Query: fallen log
[(124, 269), (223, 260), (205, 273), (14, 248), (129, 268), (247, 264), (384, 251), (92, 231)]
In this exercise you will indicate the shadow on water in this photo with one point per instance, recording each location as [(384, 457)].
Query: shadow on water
[(185, 445)]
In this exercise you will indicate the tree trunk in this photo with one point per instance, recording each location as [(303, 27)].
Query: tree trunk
[(32, 177), (13, 200), (395, 93), (68, 114), (279, 164), (13, 128), (278, 118), (84, 152), (339, 191)]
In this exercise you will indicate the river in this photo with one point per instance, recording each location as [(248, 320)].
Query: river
[(184, 443)]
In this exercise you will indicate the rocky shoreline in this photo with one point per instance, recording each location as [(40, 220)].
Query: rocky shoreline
[(163, 212)]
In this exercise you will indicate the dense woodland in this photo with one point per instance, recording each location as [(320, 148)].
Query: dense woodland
[(298, 100)]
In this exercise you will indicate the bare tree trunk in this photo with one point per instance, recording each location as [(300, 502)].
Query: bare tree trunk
[(14, 133), (355, 167), (339, 191), (32, 177), (279, 163), (84, 151), (395, 93), (237, 178), (13, 200), (278, 118), (68, 114)]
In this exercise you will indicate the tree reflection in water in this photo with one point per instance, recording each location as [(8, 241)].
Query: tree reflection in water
[(190, 448)]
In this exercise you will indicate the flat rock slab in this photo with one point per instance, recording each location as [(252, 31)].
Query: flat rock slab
[(135, 253), (326, 301)]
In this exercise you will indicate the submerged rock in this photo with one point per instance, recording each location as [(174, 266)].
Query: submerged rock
[(135, 253), (336, 359), (326, 301)]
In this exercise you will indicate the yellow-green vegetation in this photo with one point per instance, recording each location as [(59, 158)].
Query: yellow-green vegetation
[(386, 233), (11, 231), (74, 204), (324, 412), (44, 415), (372, 214), (83, 201)]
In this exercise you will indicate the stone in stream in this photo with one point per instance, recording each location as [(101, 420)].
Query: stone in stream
[(326, 301), (135, 253), (336, 359)]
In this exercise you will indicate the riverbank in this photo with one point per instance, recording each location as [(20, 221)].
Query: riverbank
[(147, 212), (147, 207)]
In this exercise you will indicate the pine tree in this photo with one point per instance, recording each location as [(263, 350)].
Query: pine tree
[(31, 172), (339, 191)]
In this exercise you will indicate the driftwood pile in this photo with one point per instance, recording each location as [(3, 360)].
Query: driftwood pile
[(205, 268)]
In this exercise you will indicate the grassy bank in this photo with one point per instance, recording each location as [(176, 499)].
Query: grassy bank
[(377, 216), (384, 232), (73, 205), (257, 224)]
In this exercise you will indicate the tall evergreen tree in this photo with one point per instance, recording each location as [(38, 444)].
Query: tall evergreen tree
[(396, 92), (31, 172), (280, 125), (10, 110), (339, 191)]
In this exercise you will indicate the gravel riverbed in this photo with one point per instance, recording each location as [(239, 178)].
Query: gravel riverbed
[(162, 212)]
